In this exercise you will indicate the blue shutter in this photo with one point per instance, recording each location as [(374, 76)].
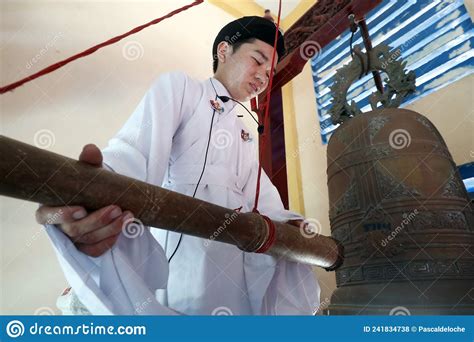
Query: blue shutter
[(435, 38)]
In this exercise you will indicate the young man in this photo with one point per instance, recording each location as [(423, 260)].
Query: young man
[(183, 137)]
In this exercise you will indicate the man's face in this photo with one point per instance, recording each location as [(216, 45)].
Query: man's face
[(246, 71)]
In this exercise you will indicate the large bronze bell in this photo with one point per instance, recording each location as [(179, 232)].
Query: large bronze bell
[(400, 209), (402, 213)]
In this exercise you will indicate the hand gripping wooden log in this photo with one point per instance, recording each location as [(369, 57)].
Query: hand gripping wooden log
[(37, 175)]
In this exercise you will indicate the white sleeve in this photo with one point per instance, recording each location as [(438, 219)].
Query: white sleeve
[(124, 279), (293, 288), (142, 147)]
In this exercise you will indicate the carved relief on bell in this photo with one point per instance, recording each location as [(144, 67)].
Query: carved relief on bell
[(400, 209)]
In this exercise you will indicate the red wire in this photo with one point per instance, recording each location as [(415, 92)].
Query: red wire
[(93, 49), (266, 116)]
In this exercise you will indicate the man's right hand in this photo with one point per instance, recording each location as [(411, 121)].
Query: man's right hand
[(93, 233)]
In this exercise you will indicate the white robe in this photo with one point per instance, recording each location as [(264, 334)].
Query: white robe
[(163, 143)]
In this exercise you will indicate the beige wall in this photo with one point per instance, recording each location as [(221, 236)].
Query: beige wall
[(450, 109), (312, 154)]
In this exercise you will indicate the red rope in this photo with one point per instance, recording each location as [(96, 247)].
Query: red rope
[(93, 49), (266, 122), (271, 236)]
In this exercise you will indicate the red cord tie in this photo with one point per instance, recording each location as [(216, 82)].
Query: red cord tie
[(271, 236)]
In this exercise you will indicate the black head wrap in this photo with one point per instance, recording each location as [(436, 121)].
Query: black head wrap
[(246, 28)]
